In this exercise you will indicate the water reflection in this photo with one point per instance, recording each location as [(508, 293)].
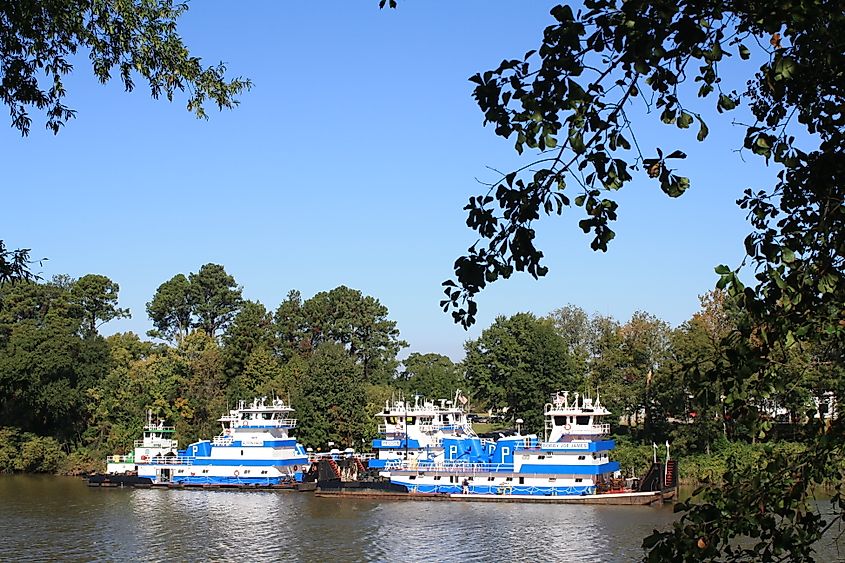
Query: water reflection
[(61, 518)]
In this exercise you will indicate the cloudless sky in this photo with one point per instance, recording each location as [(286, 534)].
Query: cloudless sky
[(348, 163)]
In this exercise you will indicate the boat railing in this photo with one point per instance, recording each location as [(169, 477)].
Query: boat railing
[(222, 440), (157, 428), (120, 459), (167, 460), (161, 443), (264, 423), (464, 468), (599, 429), (317, 456)]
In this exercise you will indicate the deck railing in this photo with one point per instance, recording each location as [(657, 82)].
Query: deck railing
[(464, 468), (263, 423), (166, 460), (157, 443), (317, 456)]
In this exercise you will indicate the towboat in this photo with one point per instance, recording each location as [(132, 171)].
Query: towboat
[(415, 432), (572, 463), (254, 449), (122, 470)]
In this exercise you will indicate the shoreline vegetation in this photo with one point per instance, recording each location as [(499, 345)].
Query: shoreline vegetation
[(23, 452), (69, 397)]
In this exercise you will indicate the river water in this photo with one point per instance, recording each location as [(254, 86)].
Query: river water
[(61, 518)]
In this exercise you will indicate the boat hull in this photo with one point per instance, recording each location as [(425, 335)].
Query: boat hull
[(616, 499)]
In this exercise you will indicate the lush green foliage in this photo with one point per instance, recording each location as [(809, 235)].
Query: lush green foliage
[(519, 362), (208, 299), (14, 264), (431, 375), (39, 41), (68, 397)]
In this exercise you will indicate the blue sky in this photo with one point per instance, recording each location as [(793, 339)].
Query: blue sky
[(348, 163)]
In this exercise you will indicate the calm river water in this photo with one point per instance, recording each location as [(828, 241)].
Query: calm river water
[(61, 518)]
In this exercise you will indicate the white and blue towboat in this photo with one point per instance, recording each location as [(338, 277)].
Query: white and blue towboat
[(254, 449), (572, 462), (416, 432)]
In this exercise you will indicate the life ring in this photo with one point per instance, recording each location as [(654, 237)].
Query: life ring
[(237, 472), (567, 427), (144, 458), (296, 468)]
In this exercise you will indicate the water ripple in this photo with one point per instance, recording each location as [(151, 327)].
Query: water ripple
[(62, 519)]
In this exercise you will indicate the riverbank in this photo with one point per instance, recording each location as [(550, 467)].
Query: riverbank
[(24, 452)]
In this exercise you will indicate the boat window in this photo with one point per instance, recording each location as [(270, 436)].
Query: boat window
[(411, 419), (582, 420), (391, 420), (578, 480), (510, 478), (490, 478), (413, 477), (267, 416), (437, 478), (581, 457), (552, 479), (560, 420), (521, 480)]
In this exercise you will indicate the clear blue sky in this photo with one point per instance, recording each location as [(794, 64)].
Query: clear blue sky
[(348, 163)]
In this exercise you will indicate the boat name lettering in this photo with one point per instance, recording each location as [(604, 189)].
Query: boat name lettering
[(391, 443), (567, 445), (252, 442)]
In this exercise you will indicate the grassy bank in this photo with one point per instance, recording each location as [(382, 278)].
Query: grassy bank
[(697, 468)]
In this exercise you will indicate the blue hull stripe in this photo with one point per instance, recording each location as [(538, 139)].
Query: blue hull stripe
[(548, 469), (501, 490), (267, 444), (202, 461)]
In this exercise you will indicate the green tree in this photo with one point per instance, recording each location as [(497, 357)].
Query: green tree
[(96, 297), (202, 393), (45, 366), (332, 406), (15, 265), (135, 38), (292, 326), (573, 325), (343, 316), (432, 375), (215, 298), (252, 329), (260, 377), (170, 309), (519, 362)]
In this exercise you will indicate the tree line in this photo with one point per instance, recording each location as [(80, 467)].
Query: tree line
[(69, 396)]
